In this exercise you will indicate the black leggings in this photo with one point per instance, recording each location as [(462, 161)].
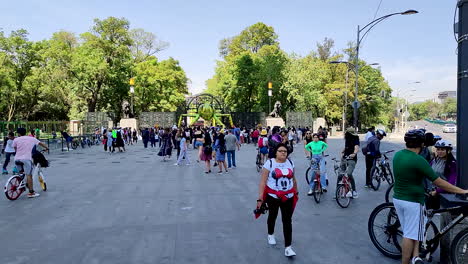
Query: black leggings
[(370, 160), (286, 216)]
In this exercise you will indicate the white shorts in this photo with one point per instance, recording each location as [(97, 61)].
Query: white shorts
[(412, 217)]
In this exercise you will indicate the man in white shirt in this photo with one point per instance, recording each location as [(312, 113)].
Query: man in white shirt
[(370, 133)]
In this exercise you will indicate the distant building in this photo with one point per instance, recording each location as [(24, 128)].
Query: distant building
[(442, 96)]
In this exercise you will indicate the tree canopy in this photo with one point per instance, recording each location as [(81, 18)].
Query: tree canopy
[(301, 83), (68, 75)]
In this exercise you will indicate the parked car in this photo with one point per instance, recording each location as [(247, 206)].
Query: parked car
[(450, 128)]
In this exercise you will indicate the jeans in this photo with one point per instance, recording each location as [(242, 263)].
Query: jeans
[(322, 168), (183, 154), (7, 159), (351, 164), (231, 157)]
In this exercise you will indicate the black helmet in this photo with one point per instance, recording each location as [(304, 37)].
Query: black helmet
[(443, 144), (415, 136)]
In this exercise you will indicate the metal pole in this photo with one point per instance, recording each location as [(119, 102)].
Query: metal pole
[(269, 104), (356, 67), (346, 99), (462, 96)]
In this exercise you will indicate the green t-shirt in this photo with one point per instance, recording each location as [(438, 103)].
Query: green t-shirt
[(410, 170), (316, 147)]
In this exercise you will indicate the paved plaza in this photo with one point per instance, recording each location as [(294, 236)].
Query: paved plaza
[(132, 208)]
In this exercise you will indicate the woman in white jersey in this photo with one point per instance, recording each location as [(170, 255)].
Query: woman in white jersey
[(278, 189)]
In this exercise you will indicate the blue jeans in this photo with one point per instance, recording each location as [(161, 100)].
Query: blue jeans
[(322, 168), (231, 157)]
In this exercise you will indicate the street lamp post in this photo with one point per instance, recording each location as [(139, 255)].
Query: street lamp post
[(358, 43), (132, 91), (270, 94)]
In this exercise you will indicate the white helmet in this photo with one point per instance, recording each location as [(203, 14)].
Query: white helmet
[(443, 144)]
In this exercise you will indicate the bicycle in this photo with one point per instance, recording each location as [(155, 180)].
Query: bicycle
[(381, 171), (389, 194), (313, 173), (343, 194), (16, 185), (392, 233), (258, 161)]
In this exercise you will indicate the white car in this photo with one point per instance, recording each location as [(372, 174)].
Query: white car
[(450, 128)]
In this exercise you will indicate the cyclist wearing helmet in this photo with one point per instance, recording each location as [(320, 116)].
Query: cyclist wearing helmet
[(410, 170), (444, 164), (372, 152)]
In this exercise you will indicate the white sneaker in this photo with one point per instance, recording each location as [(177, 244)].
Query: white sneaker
[(349, 194), (177, 164), (288, 252), (271, 240), (310, 192), (355, 195)]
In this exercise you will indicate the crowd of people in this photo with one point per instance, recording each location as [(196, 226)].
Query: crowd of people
[(425, 168)]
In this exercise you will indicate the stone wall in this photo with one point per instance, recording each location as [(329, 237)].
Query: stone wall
[(161, 119)]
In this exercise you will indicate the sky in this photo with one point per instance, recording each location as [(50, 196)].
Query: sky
[(416, 48)]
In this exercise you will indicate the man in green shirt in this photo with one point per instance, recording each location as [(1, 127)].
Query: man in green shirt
[(410, 170), (317, 148)]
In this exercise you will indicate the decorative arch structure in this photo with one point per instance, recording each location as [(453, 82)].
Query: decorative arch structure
[(207, 107)]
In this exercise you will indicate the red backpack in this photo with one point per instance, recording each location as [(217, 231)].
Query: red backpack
[(260, 143)]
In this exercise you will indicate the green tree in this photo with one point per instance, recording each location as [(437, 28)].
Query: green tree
[(159, 86), (19, 56)]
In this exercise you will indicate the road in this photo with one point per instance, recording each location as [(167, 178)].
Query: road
[(435, 129), (132, 208)]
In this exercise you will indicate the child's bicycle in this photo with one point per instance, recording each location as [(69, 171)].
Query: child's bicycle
[(16, 184)]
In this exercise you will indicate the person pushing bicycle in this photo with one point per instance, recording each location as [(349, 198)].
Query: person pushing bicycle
[(410, 171), (317, 148)]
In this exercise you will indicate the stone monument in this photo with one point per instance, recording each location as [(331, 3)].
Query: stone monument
[(274, 118)]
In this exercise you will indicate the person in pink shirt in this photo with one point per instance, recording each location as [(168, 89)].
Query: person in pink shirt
[(24, 146)]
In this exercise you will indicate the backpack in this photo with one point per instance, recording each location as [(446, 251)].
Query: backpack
[(260, 143), (207, 150)]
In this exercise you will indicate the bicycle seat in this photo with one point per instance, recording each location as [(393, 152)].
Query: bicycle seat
[(19, 163)]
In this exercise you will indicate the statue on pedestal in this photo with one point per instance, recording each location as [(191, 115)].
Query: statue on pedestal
[(276, 110)]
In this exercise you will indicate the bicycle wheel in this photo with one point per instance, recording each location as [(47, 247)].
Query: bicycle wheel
[(12, 188), (389, 194), (459, 248), (42, 181), (341, 196), (317, 191), (308, 175), (259, 163), (74, 145), (375, 179), (385, 230), (389, 174)]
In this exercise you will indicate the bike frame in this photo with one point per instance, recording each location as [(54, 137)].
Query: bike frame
[(426, 253)]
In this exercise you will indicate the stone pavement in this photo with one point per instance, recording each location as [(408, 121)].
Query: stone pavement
[(132, 208)]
